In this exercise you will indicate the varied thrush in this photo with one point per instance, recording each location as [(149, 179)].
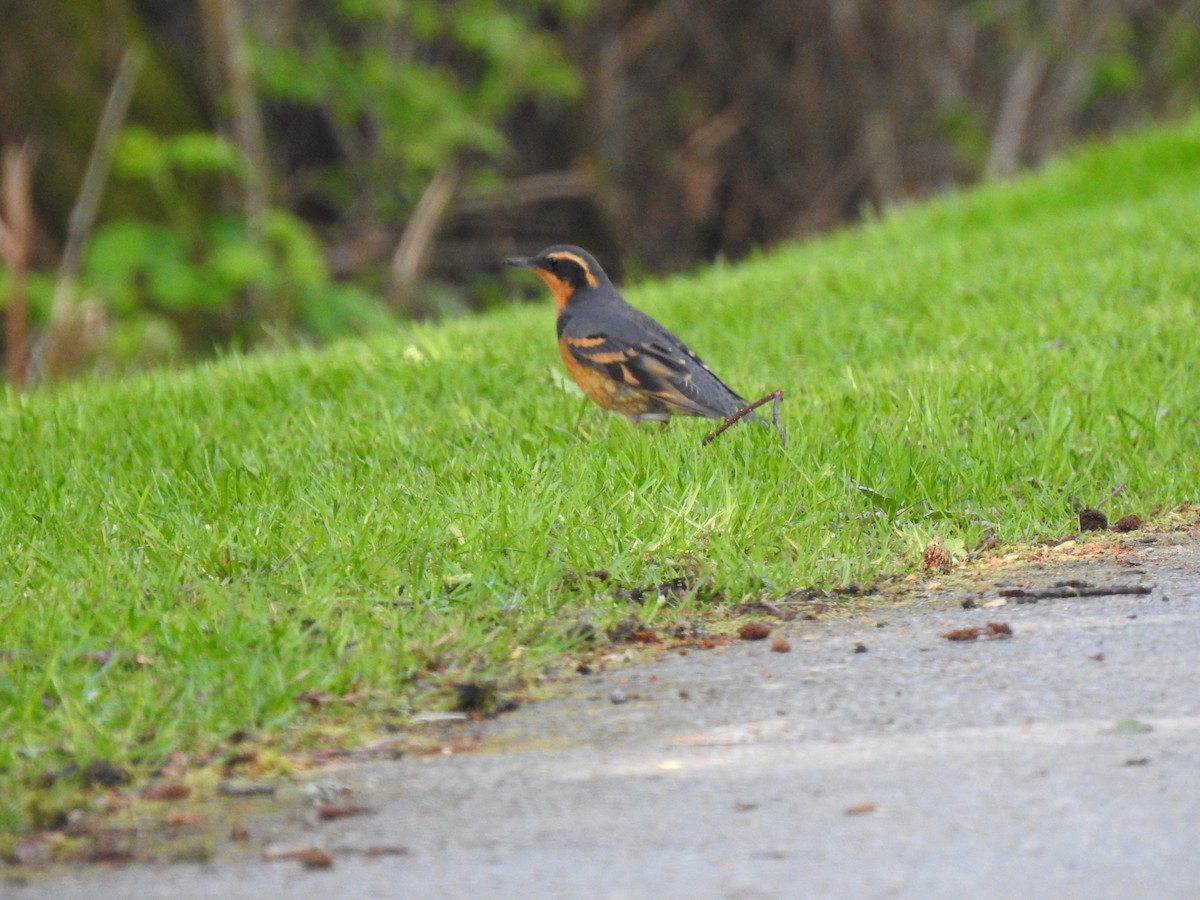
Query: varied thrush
[(624, 360)]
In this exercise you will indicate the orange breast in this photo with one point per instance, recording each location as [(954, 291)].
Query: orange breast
[(605, 391)]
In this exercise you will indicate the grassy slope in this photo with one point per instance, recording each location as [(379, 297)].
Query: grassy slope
[(400, 513)]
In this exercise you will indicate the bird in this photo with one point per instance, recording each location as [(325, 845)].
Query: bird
[(621, 358)]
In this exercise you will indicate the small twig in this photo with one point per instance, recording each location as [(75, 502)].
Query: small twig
[(774, 610), (287, 559), (776, 396), (1060, 592), (446, 638)]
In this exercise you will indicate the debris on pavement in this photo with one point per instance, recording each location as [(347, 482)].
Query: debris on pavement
[(245, 788), (308, 855), (173, 791), (329, 811), (990, 631), (754, 631)]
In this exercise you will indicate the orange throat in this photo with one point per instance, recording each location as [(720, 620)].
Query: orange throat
[(560, 289)]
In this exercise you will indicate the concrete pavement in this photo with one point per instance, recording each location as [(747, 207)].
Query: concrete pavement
[(1061, 762)]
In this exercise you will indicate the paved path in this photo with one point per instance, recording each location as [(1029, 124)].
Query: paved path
[(1062, 762)]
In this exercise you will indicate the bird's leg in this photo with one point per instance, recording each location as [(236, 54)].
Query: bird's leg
[(776, 396), (663, 419), (775, 417)]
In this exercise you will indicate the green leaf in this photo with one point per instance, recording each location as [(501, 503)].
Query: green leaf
[(173, 282), (203, 151), (140, 153), (239, 264), (300, 255), (120, 253)]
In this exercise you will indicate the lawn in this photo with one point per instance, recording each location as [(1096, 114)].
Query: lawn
[(187, 553)]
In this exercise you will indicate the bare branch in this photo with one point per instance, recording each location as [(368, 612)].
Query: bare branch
[(412, 253), (56, 351), (83, 214), (227, 30), (1015, 113), (16, 248)]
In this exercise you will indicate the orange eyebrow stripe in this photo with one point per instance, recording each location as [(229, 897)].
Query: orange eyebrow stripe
[(579, 261)]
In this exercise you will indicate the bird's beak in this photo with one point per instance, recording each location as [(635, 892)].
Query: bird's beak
[(521, 262)]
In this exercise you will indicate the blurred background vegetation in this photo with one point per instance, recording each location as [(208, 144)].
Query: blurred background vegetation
[(182, 177)]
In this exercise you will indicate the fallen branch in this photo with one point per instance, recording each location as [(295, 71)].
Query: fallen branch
[(766, 606), (1066, 591), (776, 396)]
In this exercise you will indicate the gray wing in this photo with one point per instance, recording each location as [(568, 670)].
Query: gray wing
[(631, 347)]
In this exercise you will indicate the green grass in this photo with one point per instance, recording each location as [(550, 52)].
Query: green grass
[(394, 515)]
